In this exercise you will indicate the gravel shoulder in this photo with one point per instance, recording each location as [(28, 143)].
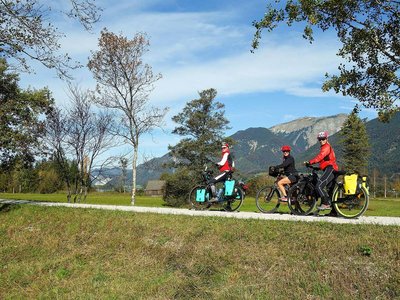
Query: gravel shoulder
[(239, 215)]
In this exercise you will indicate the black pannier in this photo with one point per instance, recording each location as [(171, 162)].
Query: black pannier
[(272, 171)]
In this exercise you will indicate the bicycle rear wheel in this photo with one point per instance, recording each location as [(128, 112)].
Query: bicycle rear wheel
[(302, 199), (199, 205), (267, 199), (235, 201), (350, 206)]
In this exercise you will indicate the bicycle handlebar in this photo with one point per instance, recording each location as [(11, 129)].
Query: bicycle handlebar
[(313, 168)]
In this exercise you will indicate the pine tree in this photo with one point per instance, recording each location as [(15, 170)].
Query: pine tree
[(355, 143), (202, 124)]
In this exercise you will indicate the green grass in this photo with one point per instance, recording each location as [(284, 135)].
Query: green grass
[(389, 207), (62, 253), (92, 198)]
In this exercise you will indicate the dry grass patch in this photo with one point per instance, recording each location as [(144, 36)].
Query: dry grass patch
[(69, 253)]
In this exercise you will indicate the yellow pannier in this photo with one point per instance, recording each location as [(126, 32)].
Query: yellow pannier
[(350, 184), (365, 183)]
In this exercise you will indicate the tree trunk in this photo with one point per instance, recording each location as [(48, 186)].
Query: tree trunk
[(135, 155), (85, 193), (69, 192)]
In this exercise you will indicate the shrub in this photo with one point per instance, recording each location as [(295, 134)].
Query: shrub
[(258, 182), (177, 187)]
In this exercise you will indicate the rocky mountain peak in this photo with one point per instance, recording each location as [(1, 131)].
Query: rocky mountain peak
[(302, 132)]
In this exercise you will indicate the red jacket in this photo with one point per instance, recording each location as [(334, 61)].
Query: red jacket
[(224, 164), (326, 157)]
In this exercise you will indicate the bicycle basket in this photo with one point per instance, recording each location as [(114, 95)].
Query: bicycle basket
[(272, 171), (229, 187), (200, 195)]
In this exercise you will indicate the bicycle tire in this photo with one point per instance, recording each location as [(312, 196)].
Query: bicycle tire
[(302, 200), (267, 199), (234, 202), (192, 199), (350, 206)]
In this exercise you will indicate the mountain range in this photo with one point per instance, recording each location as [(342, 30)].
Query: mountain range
[(257, 148)]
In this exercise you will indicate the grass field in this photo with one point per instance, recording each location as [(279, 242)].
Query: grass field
[(378, 207), (62, 253)]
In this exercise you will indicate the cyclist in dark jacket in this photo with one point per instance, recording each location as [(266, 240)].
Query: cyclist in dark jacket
[(327, 163), (289, 169)]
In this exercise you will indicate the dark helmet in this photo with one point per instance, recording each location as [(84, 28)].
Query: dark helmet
[(285, 148)]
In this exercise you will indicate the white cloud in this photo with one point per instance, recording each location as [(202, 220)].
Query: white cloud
[(287, 68)]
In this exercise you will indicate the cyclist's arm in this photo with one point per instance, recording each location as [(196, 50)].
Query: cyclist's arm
[(323, 153), (285, 163), (223, 160)]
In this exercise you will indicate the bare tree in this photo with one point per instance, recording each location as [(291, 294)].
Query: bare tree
[(123, 164), (124, 85), (27, 33), (84, 135), (56, 132), (88, 136)]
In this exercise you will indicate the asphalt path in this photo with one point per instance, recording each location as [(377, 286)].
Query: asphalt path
[(239, 215)]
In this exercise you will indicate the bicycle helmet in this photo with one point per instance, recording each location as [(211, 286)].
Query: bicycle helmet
[(322, 135), (224, 144), (285, 148)]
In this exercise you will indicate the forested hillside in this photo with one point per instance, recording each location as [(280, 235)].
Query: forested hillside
[(257, 148)]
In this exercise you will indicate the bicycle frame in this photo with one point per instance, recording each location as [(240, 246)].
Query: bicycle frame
[(348, 206), (268, 197), (230, 202)]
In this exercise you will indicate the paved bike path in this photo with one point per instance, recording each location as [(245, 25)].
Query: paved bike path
[(239, 215)]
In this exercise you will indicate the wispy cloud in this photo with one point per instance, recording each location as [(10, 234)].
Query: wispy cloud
[(198, 50), (279, 68)]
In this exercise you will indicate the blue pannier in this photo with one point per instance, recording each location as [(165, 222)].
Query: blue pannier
[(229, 187), (200, 195)]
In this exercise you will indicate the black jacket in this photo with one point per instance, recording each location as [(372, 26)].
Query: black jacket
[(288, 165)]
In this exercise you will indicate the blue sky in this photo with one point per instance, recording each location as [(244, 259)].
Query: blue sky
[(198, 45)]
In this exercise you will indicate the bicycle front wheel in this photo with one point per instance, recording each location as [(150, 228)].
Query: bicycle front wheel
[(302, 199), (235, 201), (350, 206), (195, 202), (267, 199)]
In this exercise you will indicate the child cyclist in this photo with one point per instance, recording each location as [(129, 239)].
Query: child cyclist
[(290, 171)]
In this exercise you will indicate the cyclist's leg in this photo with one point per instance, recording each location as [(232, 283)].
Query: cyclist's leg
[(281, 185), (220, 178), (330, 188), (323, 181)]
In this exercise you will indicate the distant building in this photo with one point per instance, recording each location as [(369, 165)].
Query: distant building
[(155, 188), (101, 180)]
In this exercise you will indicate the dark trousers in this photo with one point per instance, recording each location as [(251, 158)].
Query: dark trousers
[(323, 182), (221, 177)]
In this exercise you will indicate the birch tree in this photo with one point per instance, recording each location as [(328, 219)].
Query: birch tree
[(124, 83)]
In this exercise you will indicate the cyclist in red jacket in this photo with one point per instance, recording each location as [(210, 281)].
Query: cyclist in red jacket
[(225, 167), (327, 163)]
